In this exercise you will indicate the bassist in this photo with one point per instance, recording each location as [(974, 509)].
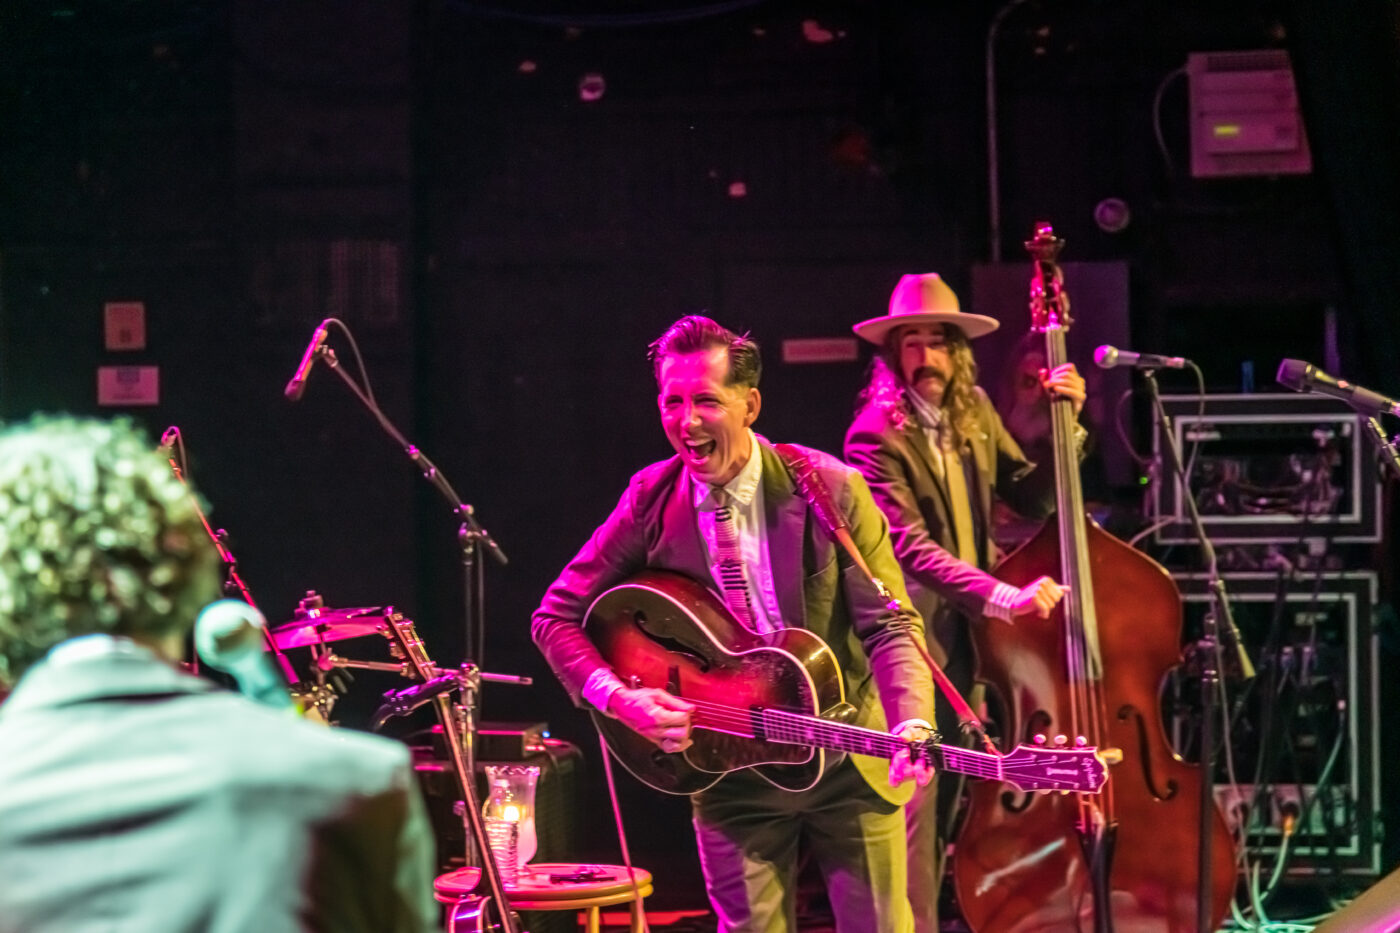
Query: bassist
[(725, 511), (936, 454)]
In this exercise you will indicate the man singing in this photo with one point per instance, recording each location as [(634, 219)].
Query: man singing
[(724, 510), (934, 452)]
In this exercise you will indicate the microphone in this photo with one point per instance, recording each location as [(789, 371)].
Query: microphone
[(1108, 357), (167, 440), (228, 635), (402, 702), (297, 384), (1305, 377)]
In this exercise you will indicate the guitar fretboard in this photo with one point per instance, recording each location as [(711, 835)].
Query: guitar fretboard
[(797, 729)]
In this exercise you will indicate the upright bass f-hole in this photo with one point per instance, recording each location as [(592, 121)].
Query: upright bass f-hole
[(1127, 713)]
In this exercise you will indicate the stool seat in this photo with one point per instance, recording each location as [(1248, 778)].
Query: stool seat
[(556, 886)]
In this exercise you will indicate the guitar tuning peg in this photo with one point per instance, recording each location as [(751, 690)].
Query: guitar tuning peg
[(1064, 793), (1044, 792), (1061, 740), (1080, 741), (1039, 738)]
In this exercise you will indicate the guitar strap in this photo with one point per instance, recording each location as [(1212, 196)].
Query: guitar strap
[(818, 496)]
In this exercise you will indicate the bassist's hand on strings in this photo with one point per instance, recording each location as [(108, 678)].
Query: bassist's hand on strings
[(658, 716), (1038, 597)]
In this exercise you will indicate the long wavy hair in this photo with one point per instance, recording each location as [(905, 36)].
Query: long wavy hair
[(885, 388)]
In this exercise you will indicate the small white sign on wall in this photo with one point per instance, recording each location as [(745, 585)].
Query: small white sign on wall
[(128, 385)]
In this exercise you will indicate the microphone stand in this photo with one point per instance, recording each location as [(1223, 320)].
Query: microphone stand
[(1216, 622), (233, 585), (460, 729), (1384, 445)]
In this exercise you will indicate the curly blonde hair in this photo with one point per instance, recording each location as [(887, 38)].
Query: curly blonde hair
[(885, 388), (96, 535)]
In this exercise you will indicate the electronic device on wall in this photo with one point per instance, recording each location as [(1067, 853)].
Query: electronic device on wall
[(1269, 468)]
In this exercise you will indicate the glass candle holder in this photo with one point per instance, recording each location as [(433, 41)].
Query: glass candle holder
[(512, 799)]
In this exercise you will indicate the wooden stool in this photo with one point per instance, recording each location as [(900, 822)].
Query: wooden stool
[(547, 886)]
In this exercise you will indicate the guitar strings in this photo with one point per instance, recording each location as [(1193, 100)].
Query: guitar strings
[(796, 728), (802, 729)]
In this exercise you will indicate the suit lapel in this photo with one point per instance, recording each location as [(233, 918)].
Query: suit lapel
[(785, 513)]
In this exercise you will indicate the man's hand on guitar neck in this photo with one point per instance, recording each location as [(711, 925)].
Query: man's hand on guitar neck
[(658, 716), (901, 769)]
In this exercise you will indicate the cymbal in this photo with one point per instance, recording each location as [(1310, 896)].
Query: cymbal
[(329, 625)]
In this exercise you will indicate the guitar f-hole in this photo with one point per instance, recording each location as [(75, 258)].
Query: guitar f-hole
[(668, 643)]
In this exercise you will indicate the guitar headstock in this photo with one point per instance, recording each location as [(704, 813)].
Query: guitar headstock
[(1079, 770)]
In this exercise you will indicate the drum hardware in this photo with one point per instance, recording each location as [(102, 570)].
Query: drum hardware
[(458, 721), (329, 661)]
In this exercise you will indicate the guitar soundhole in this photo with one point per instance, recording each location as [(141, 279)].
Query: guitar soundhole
[(667, 643)]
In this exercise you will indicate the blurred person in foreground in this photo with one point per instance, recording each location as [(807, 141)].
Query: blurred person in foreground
[(134, 796)]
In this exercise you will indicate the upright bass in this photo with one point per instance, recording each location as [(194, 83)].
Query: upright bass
[(1123, 861)]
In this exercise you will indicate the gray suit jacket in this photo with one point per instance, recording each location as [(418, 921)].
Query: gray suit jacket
[(134, 797), (818, 587)]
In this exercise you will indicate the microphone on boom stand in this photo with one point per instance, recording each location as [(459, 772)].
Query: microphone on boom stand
[(297, 384)]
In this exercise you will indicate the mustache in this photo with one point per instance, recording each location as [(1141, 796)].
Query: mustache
[(926, 372)]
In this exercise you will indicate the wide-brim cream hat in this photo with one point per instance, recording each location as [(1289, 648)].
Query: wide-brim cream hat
[(924, 299)]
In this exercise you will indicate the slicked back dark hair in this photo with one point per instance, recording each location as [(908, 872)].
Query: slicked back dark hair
[(695, 333)]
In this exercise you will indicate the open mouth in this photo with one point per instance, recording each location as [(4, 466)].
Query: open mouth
[(699, 452)]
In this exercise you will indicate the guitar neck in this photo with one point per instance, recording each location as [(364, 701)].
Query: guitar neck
[(797, 729)]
